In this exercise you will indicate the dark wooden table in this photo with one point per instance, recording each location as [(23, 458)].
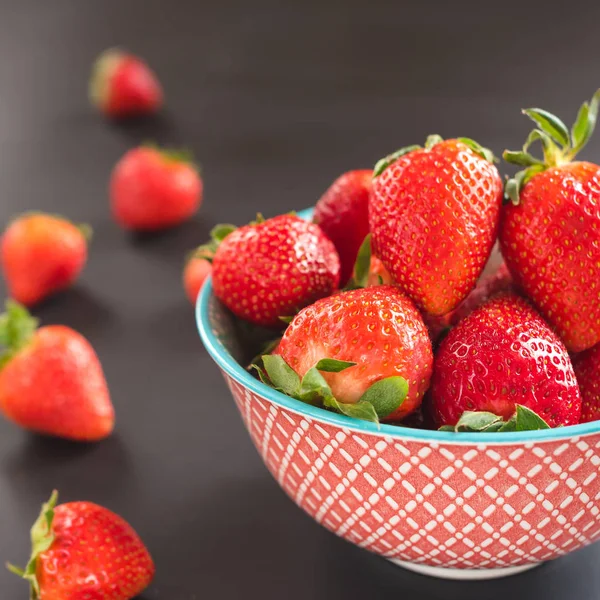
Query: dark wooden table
[(275, 99)]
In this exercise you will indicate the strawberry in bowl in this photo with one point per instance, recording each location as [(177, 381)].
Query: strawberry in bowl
[(479, 460)]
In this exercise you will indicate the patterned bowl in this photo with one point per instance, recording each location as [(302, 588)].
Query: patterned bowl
[(464, 506)]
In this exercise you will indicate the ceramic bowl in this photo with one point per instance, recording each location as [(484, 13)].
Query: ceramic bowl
[(467, 506)]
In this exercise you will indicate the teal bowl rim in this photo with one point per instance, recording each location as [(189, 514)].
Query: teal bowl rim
[(226, 362)]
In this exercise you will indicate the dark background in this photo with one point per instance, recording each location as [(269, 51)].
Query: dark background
[(275, 100)]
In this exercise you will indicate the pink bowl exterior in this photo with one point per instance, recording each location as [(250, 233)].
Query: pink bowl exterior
[(452, 505)]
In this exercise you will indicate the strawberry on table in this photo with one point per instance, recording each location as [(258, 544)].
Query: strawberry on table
[(51, 380), (42, 254), (434, 214), (501, 355), (343, 214), (153, 189), (122, 85), (83, 551), (587, 371), (550, 232), (358, 348), (271, 269), (195, 272)]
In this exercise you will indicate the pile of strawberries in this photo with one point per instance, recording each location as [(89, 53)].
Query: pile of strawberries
[(388, 315)]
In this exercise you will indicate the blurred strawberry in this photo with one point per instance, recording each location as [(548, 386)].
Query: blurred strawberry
[(153, 189), (51, 381), (434, 215), (82, 551), (550, 232), (122, 85), (195, 273), (343, 214), (42, 254)]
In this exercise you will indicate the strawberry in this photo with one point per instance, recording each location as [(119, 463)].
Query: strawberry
[(83, 551), (587, 371), (51, 381), (271, 269), (434, 215), (376, 334), (153, 189), (550, 233), (501, 355), (42, 254), (196, 270), (487, 287), (378, 274), (122, 85), (343, 214)]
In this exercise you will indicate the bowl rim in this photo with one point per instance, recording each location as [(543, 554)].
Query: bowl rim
[(231, 367)]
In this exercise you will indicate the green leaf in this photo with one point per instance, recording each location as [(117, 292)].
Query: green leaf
[(527, 420), (17, 327), (384, 163), (260, 372), (479, 421), (513, 186), (585, 124), (362, 266), (479, 149), (286, 319), (432, 140), (549, 124), (42, 538), (510, 425), (331, 365), (86, 231), (220, 232), (450, 428), (313, 387), (523, 159), (282, 376), (360, 410), (386, 395)]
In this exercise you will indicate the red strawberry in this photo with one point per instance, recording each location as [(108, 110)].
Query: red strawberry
[(122, 85), (378, 328), (42, 254), (434, 215), (51, 380), (83, 551), (587, 371), (501, 355), (550, 234), (487, 287), (153, 189), (343, 214), (268, 270), (196, 271)]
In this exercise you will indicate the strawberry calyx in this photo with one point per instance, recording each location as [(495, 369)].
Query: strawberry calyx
[(560, 146), (42, 538), (430, 142), (17, 327), (217, 235), (103, 70), (174, 155), (360, 273), (380, 400), (523, 419)]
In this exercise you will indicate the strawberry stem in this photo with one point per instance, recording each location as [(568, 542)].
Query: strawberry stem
[(560, 146), (17, 327)]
